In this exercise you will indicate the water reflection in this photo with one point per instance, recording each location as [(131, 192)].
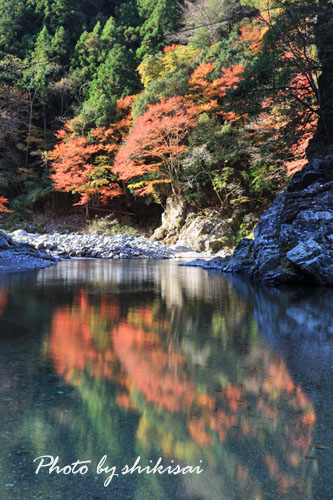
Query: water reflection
[(156, 360)]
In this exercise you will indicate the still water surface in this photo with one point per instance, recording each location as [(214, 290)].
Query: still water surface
[(149, 359)]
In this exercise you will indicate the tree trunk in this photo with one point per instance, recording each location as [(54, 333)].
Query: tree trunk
[(322, 143), (44, 122), (31, 105)]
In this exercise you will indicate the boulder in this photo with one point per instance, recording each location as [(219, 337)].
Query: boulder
[(173, 218), (294, 238), (205, 233), (4, 245)]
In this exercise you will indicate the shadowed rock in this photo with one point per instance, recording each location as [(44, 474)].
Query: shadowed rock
[(294, 238)]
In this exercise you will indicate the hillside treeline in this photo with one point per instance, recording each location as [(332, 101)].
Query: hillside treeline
[(214, 101)]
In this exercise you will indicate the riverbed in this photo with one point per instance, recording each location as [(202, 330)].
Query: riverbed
[(225, 384)]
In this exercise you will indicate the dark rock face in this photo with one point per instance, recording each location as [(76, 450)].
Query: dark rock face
[(242, 258), (294, 238)]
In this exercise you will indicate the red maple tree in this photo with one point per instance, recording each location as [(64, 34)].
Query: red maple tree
[(3, 202), (83, 165), (72, 163), (152, 152)]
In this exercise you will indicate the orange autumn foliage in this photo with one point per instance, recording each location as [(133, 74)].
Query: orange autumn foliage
[(169, 48), (84, 166), (252, 36), (229, 81), (201, 90), (3, 203), (230, 78), (112, 136), (208, 95), (156, 144), (308, 120), (72, 163)]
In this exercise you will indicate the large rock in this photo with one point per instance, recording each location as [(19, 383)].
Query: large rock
[(4, 245), (242, 258), (173, 218), (294, 238), (201, 233), (205, 233)]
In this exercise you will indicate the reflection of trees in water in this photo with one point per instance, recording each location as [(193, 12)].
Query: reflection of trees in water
[(3, 300), (175, 361), (197, 380)]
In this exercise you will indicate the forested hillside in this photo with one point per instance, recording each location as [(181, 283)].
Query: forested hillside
[(126, 102)]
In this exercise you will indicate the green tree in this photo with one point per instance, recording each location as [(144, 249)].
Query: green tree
[(110, 83), (159, 17), (87, 54), (17, 28)]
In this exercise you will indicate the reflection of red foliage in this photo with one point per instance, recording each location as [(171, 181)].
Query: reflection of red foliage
[(278, 379), (72, 343), (233, 395), (123, 399), (198, 432), (155, 372), (136, 357)]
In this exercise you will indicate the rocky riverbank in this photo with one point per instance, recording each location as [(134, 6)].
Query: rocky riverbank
[(21, 256), (21, 250), (294, 238), (92, 245)]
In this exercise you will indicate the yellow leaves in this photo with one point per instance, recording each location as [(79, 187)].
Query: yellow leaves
[(147, 187), (242, 199), (150, 69), (154, 67)]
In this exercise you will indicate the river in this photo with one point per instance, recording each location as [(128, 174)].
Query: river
[(184, 368)]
